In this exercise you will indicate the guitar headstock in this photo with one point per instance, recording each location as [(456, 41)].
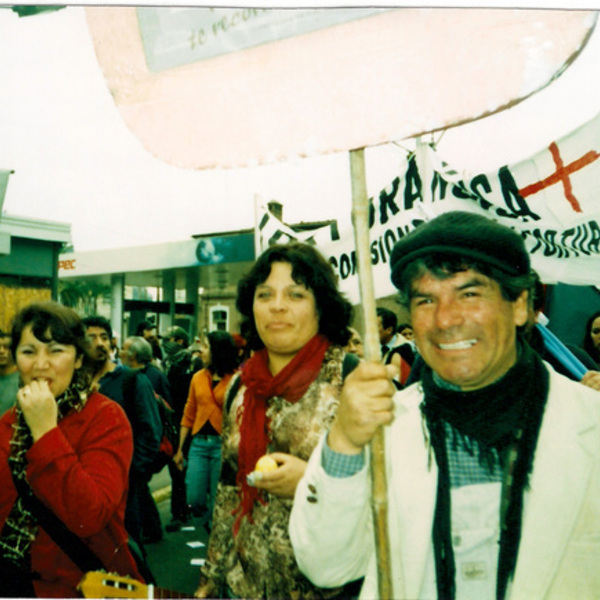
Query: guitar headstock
[(97, 584)]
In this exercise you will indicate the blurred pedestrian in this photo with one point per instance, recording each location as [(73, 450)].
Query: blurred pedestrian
[(136, 354), (355, 343), (147, 330), (242, 347), (179, 368), (395, 349), (9, 376), (406, 331), (202, 417), (591, 340)]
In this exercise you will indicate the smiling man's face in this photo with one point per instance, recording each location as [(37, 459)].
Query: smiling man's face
[(464, 329)]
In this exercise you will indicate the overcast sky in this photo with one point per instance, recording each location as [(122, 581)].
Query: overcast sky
[(75, 161)]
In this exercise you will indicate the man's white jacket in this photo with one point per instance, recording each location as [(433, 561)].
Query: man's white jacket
[(559, 554)]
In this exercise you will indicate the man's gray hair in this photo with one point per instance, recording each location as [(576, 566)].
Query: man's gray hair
[(141, 349)]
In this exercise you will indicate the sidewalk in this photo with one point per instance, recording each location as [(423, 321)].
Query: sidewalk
[(171, 559)]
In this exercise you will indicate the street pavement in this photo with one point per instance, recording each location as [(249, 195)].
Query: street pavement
[(170, 560)]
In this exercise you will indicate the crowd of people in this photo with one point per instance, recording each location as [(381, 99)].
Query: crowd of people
[(493, 444)]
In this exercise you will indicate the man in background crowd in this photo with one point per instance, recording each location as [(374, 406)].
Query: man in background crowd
[(179, 369), (136, 353), (135, 394), (395, 349), (9, 377), (147, 330)]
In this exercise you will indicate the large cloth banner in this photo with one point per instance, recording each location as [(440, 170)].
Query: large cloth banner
[(206, 87), (4, 175), (551, 199)]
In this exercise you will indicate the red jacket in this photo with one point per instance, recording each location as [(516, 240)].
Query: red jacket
[(80, 471)]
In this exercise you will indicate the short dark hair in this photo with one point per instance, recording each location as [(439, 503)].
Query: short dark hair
[(223, 353), (388, 318), (98, 321), (178, 333), (50, 321), (444, 266), (144, 326), (310, 268), (588, 345)]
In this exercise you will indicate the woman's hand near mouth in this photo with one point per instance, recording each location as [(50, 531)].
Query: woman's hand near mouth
[(39, 407)]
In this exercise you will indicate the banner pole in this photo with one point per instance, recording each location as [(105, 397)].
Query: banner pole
[(425, 170), (372, 347), (257, 244)]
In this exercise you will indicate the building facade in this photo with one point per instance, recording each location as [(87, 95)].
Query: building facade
[(192, 283), (29, 258)]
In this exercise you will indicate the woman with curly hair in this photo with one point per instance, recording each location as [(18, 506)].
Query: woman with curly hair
[(296, 322)]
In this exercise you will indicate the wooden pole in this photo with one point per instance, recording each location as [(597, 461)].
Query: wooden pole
[(372, 347)]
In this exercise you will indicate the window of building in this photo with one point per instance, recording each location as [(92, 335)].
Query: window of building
[(219, 318)]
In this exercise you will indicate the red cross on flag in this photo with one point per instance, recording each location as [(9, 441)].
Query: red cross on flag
[(566, 177)]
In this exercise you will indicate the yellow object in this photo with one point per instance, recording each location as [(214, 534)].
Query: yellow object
[(265, 464)]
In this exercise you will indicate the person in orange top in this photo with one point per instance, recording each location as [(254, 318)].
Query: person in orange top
[(203, 415)]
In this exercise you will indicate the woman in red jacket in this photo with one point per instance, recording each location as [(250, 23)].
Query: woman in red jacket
[(72, 448), (203, 415)]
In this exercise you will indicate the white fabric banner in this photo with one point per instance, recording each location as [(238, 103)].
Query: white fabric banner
[(295, 95), (551, 199), (4, 175)]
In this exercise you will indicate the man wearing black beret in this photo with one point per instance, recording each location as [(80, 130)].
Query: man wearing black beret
[(493, 458)]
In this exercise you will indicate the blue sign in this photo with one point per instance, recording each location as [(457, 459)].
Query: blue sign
[(225, 249)]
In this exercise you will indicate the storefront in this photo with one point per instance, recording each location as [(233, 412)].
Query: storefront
[(29, 251), (192, 283)]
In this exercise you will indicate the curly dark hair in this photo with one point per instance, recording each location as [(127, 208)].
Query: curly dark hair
[(587, 344), (223, 353), (309, 268)]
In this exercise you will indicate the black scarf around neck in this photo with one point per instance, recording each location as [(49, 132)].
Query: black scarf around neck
[(20, 527), (504, 417)]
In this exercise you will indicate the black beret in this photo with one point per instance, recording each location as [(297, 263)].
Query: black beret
[(463, 234)]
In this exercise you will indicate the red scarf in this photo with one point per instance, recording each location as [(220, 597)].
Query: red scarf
[(290, 383)]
